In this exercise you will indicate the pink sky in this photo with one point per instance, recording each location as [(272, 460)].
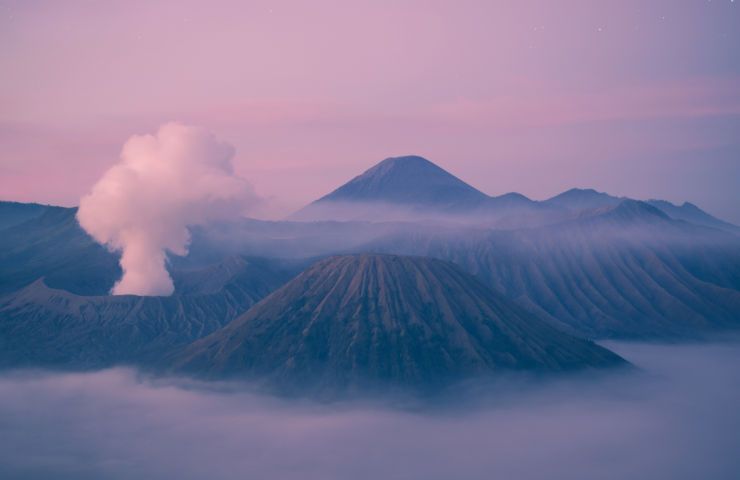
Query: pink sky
[(636, 98)]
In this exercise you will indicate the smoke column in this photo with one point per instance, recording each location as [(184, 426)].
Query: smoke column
[(163, 183)]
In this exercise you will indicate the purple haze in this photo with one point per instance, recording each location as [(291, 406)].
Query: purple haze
[(677, 419), (634, 98)]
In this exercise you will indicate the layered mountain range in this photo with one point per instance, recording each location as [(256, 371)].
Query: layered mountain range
[(625, 272), (412, 188), (505, 283)]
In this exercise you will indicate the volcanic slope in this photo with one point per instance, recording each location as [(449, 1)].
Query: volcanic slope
[(368, 320)]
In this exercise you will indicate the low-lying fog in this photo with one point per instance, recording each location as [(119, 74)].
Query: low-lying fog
[(677, 418)]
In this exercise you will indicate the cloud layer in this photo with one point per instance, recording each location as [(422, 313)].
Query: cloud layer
[(163, 183), (678, 419)]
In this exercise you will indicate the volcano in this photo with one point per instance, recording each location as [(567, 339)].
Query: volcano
[(369, 319)]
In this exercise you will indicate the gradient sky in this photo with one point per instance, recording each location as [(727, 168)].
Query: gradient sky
[(637, 98)]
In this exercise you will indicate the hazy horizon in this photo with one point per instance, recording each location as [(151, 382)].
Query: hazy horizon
[(633, 99)]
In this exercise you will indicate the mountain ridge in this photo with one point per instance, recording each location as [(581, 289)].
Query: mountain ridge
[(629, 272), (46, 326), (412, 188)]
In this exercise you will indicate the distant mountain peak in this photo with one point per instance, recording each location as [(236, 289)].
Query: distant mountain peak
[(515, 196), (405, 161), (583, 198), (408, 182), (582, 191), (392, 166), (411, 188), (689, 212), (635, 210), (408, 179)]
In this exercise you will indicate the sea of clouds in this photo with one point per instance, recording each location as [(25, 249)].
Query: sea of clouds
[(677, 417)]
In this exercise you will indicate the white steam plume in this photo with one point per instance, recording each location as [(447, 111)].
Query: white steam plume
[(163, 183)]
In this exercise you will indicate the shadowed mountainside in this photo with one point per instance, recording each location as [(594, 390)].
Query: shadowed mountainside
[(13, 213), (353, 320), (626, 271), (53, 245), (42, 326)]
